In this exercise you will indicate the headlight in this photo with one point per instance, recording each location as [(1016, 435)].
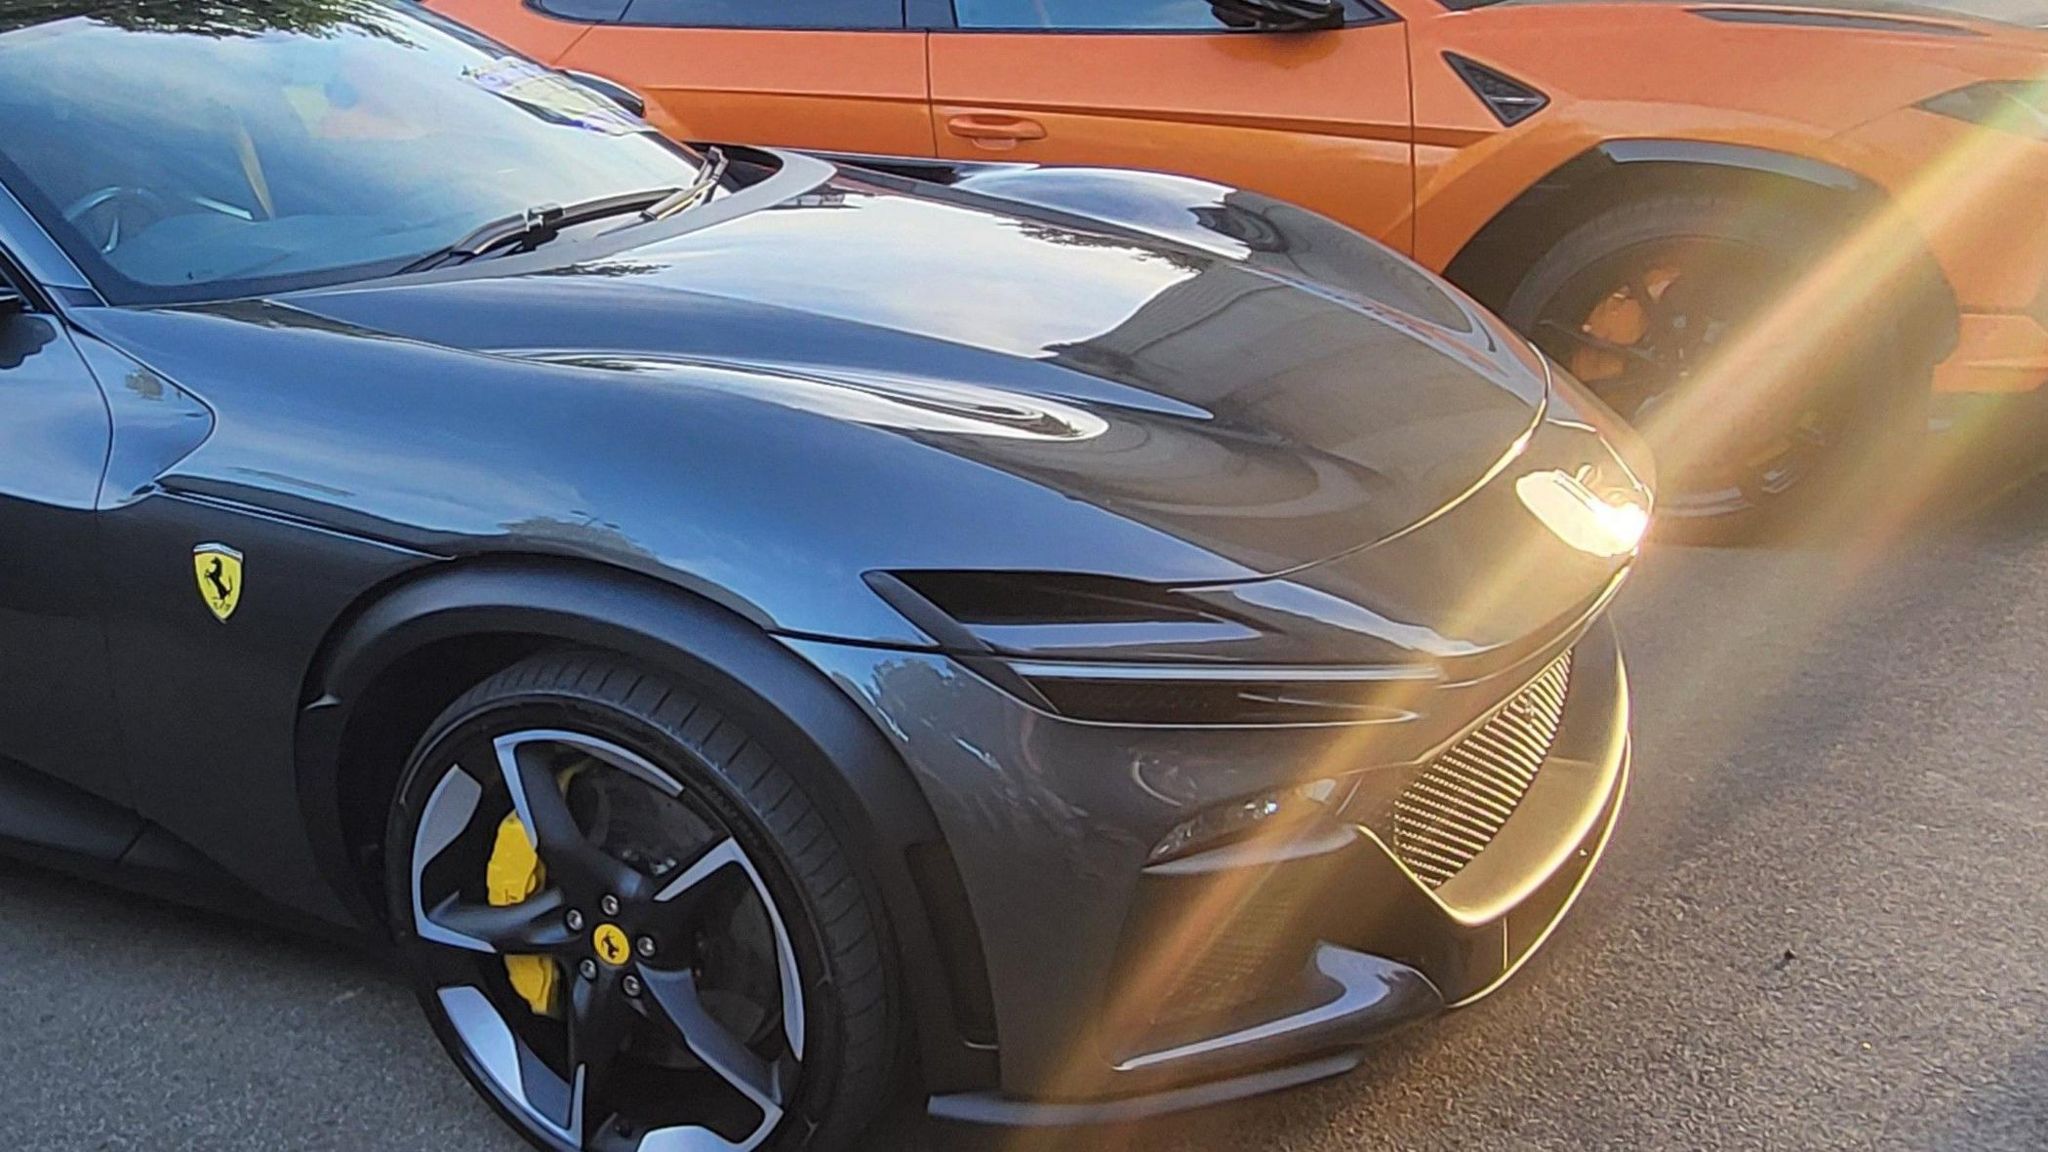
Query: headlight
[(1107, 650), (2017, 106), (1226, 695), (1605, 527)]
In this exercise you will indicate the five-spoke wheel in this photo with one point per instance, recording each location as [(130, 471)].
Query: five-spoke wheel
[(606, 931)]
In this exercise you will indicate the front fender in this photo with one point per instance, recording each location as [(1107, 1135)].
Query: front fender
[(877, 809)]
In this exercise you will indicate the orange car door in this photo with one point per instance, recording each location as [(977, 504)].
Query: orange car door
[(1318, 117), (837, 74)]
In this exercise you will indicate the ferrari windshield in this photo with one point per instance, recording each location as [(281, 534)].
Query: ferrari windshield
[(185, 152)]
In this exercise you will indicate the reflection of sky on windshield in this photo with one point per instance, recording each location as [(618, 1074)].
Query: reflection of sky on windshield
[(954, 274), (82, 68), (78, 68), (356, 142)]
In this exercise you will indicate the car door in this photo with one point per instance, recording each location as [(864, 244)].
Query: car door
[(842, 75), (1321, 118), (56, 714)]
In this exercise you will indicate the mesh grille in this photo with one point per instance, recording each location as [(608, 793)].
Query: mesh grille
[(1457, 806), (1237, 964)]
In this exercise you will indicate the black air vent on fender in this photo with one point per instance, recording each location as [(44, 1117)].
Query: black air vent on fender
[(1510, 100)]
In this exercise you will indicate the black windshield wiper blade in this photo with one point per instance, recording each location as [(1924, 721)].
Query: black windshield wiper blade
[(538, 225), (700, 189)]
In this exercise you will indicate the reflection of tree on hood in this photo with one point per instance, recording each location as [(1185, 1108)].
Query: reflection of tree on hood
[(1137, 249), (218, 18)]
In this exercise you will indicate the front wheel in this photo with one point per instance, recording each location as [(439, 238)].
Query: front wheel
[(1687, 315), (628, 923)]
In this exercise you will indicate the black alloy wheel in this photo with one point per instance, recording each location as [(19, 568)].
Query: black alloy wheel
[(629, 926), (1638, 303)]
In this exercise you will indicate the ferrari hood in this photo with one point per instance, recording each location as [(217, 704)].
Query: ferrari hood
[(1270, 416)]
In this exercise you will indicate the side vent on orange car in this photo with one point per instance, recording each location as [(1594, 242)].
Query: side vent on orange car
[(1510, 100)]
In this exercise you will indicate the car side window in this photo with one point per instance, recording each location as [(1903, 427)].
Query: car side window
[(1105, 15), (817, 14)]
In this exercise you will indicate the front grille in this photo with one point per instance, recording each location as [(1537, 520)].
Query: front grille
[(1236, 960), (1454, 809)]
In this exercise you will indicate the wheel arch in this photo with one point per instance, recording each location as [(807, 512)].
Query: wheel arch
[(1495, 259), (460, 621)]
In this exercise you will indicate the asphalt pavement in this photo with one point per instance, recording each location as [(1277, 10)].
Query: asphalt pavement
[(1823, 923)]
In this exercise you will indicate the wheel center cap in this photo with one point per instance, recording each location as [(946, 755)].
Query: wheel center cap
[(611, 945)]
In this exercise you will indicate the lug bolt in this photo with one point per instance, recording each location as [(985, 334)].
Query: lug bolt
[(631, 985), (647, 947), (610, 904), (574, 920), (588, 969)]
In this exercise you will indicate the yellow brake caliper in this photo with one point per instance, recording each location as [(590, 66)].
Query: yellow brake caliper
[(513, 874)]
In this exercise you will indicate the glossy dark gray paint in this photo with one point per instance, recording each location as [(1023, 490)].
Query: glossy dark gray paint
[(832, 374), (50, 596), (1247, 420)]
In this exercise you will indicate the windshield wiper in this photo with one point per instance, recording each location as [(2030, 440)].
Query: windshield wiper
[(538, 225), (700, 189)]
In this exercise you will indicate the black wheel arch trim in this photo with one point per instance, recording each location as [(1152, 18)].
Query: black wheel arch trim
[(867, 791), (1714, 154), (1500, 240)]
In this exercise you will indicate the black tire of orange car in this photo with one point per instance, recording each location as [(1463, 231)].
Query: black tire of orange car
[(1870, 407), (850, 1065)]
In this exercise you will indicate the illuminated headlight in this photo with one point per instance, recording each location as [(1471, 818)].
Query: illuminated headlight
[(1274, 813), (1606, 527), (2017, 106)]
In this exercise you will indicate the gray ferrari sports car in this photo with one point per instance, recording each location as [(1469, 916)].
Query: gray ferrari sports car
[(761, 632)]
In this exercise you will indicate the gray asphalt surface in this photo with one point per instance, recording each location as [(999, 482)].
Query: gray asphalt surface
[(1823, 923)]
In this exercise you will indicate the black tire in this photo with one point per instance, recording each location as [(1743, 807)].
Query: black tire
[(1867, 404), (846, 1062)]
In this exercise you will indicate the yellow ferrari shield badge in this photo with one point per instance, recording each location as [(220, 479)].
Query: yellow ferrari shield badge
[(219, 569), (611, 945)]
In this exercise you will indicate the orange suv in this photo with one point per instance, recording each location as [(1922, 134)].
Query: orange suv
[(1769, 235)]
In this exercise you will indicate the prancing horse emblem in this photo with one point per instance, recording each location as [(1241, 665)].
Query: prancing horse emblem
[(219, 569)]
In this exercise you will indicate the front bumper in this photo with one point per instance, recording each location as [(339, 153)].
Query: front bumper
[(1123, 988)]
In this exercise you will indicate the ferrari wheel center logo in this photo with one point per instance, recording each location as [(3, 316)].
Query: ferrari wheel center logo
[(612, 946), (219, 569)]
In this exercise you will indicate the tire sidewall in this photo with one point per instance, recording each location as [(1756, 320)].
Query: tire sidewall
[(1878, 406), (470, 717)]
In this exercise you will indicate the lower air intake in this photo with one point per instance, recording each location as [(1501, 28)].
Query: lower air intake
[(1450, 813)]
